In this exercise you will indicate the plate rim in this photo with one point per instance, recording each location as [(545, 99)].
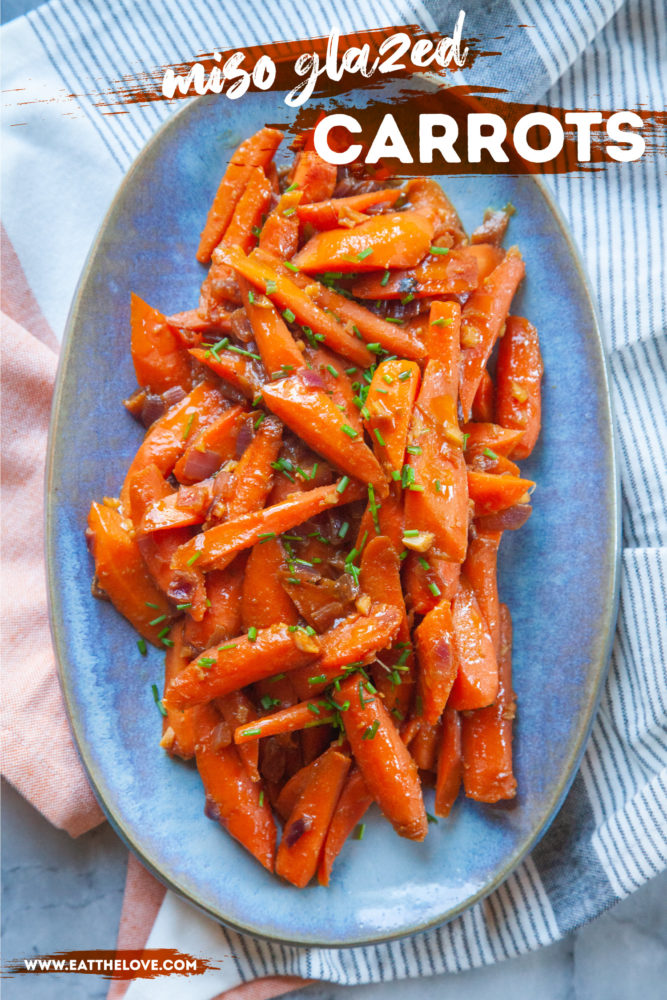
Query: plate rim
[(602, 643)]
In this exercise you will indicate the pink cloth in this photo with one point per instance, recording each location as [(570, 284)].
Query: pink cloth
[(37, 753)]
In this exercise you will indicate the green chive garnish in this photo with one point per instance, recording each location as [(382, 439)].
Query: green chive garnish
[(252, 633), (380, 439), (343, 484), (365, 253), (350, 431), (188, 427), (489, 453), (193, 559), (141, 645), (271, 287), (156, 621), (359, 832), (437, 250), (291, 266), (332, 371), (435, 589), (288, 316), (267, 536), (157, 699)]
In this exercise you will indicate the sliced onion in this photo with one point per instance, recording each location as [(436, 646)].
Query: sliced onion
[(245, 435), (200, 465), (505, 520), (311, 378)]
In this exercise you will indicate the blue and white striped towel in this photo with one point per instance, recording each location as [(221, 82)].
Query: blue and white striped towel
[(610, 835)]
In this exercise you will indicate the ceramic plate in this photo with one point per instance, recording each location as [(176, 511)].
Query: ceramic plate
[(558, 574)]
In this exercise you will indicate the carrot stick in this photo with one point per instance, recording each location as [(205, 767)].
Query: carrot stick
[(167, 439), (427, 579), (280, 233), (257, 151), (237, 710), (274, 341), (476, 683), (222, 616), (252, 204), (479, 570), (335, 212), (287, 295), (482, 404), (122, 574), (337, 384), (301, 716), (487, 733), (492, 493), (483, 316), (438, 662), (428, 199), (231, 367), (253, 475), (485, 434), (309, 821), (388, 770), (389, 403), (157, 548), (232, 798), (518, 375), (450, 764), (221, 670), (313, 415), (215, 444), (424, 746), (294, 786), (315, 741), (157, 353), (178, 733), (397, 239), (353, 803), (447, 273), (264, 601), (192, 321), (487, 256), (187, 506)]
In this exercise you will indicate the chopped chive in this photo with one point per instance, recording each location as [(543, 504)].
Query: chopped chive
[(378, 435), (373, 507), (407, 298), (370, 731), (266, 536), (410, 533), (289, 211), (437, 250), (312, 707), (165, 631), (252, 633), (251, 732), (206, 662), (383, 391), (182, 607), (465, 441), (317, 679), (350, 371), (414, 449), (359, 832), (365, 253), (193, 559), (256, 231), (435, 589), (394, 319), (438, 486), (293, 187), (385, 278), (277, 677), (388, 379), (343, 530), (149, 604), (157, 699), (258, 420), (229, 645), (424, 563), (374, 348), (441, 322), (404, 375), (156, 621), (431, 819), (489, 453), (188, 427), (268, 702), (261, 798), (291, 266), (251, 296), (350, 431), (415, 488), (343, 484), (288, 316), (141, 645), (271, 286), (395, 475), (403, 555), (332, 371)]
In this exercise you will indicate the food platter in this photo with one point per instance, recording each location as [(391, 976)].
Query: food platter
[(559, 574)]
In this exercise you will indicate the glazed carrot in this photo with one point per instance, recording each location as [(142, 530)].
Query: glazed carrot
[(337, 384), (178, 733), (313, 415), (492, 230), (232, 798), (146, 486), (187, 506), (486, 460), (356, 639), (483, 404), (337, 212), (518, 376), (427, 579), (476, 683), (287, 295), (301, 716), (485, 434), (308, 823), (437, 658), (389, 403), (157, 549), (313, 176), (257, 151), (214, 444), (167, 439), (444, 349), (280, 232), (264, 601), (480, 572), (388, 769), (397, 239), (121, 573), (192, 321), (380, 579), (492, 493), (294, 786), (235, 664), (157, 353), (317, 598), (483, 316), (487, 733), (232, 367), (253, 203), (424, 745), (221, 620), (487, 256), (450, 763), (237, 710), (274, 341), (353, 803), (315, 741), (385, 514), (427, 198), (253, 475), (448, 273)]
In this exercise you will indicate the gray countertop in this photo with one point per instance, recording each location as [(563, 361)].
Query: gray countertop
[(62, 894)]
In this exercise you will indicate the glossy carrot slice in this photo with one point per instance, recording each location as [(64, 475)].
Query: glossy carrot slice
[(274, 341), (157, 352), (487, 257), (313, 415), (352, 805), (253, 476), (157, 548), (518, 376), (397, 239), (167, 439), (178, 732), (221, 620), (387, 516), (492, 493), (447, 273), (487, 733), (264, 601), (304, 715), (257, 151), (391, 396), (438, 661), (483, 403), (314, 177), (308, 823), (337, 383), (485, 434), (280, 233), (232, 368), (294, 786), (121, 573), (427, 579), (428, 199), (187, 506), (480, 572), (336, 212), (215, 444), (476, 683), (424, 746), (450, 763), (388, 770), (232, 797), (237, 710), (483, 316)]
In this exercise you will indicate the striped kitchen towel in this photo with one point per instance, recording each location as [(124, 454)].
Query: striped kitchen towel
[(610, 835)]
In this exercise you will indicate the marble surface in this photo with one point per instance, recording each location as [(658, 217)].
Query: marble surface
[(62, 894)]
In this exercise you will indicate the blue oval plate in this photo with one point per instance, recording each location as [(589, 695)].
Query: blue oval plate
[(558, 574)]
